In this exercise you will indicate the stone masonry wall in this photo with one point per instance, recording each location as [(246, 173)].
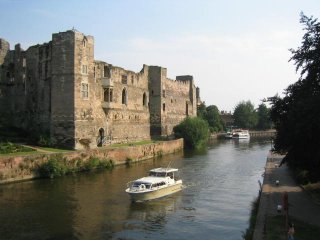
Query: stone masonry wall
[(63, 89)]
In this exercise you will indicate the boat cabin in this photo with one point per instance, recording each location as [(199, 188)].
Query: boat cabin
[(163, 172)]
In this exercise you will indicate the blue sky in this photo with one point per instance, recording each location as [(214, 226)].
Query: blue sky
[(236, 50)]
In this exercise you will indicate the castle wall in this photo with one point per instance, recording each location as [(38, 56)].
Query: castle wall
[(126, 113), (58, 89), (24, 99)]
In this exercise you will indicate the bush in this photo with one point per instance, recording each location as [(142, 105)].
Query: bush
[(53, 168), (194, 131), (94, 162), (108, 164)]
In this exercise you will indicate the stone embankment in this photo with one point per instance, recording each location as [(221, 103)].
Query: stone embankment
[(277, 181), (253, 134), (17, 168)]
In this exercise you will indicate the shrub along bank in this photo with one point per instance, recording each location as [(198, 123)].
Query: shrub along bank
[(58, 166)]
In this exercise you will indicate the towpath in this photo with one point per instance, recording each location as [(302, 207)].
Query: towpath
[(301, 206)]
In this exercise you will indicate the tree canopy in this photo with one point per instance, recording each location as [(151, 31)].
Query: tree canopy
[(193, 130), (264, 121), (212, 115), (245, 115), (297, 115)]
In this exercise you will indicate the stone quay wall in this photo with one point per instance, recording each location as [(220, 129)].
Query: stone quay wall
[(18, 168)]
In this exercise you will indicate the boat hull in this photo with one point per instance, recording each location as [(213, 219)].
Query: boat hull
[(241, 137), (154, 194)]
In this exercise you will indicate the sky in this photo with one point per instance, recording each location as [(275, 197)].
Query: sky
[(236, 50)]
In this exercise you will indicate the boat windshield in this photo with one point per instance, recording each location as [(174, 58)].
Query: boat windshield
[(157, 174), (138, 184)]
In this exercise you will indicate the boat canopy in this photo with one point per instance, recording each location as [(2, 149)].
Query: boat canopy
[(163, 170)]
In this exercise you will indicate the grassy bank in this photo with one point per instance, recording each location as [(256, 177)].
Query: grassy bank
[(12, 148)]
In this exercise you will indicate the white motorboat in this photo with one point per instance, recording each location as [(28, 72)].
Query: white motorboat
[(160, 182), (240, 134)]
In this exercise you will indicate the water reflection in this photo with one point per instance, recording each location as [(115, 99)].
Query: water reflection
[(219, 184)]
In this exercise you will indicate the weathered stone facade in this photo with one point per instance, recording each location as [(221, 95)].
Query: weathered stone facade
[(58, 90)]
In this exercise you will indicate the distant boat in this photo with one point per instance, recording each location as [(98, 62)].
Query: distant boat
[(228, 135), (240, 134), (160, 182)]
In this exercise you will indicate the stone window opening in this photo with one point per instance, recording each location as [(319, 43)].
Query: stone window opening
[(163, 93), (84, 69), (124, 96), (124, 79), (164, 107), (108, 95), (144, 99), (187, 109), (84, 42), (132, 79), (106, 72), (84, 90)]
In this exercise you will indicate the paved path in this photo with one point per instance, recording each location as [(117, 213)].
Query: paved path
[(301, 206)]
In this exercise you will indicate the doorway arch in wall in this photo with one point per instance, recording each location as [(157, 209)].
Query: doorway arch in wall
[(101, 137)]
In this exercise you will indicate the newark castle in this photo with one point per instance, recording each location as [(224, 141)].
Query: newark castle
[(58, 90)]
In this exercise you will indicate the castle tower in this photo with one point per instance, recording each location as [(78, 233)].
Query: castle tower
[(192, 107), (157, 104), (72, 67), (4, 50)]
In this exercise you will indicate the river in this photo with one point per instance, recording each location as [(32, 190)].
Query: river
[(219, 186)]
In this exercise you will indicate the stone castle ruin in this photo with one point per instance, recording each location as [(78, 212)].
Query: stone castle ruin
[(57, 89)]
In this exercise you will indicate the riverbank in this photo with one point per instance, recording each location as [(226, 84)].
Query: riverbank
[(303, 211), (253, 134), (25, 167)]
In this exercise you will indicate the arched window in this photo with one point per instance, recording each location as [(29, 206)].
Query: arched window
[(108, 95), (124, 96), (144, 100)]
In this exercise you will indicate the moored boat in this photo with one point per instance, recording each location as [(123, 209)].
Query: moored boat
[(228, 135), (240, 134), (160, 182)]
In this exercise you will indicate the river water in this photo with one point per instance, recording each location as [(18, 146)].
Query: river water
[(219, 186)]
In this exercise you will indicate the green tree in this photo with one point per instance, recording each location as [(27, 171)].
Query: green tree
[(264, 121), (245, 115), (212, 116), (214, 119), (202, 111), (194, 131), (297, 115)]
